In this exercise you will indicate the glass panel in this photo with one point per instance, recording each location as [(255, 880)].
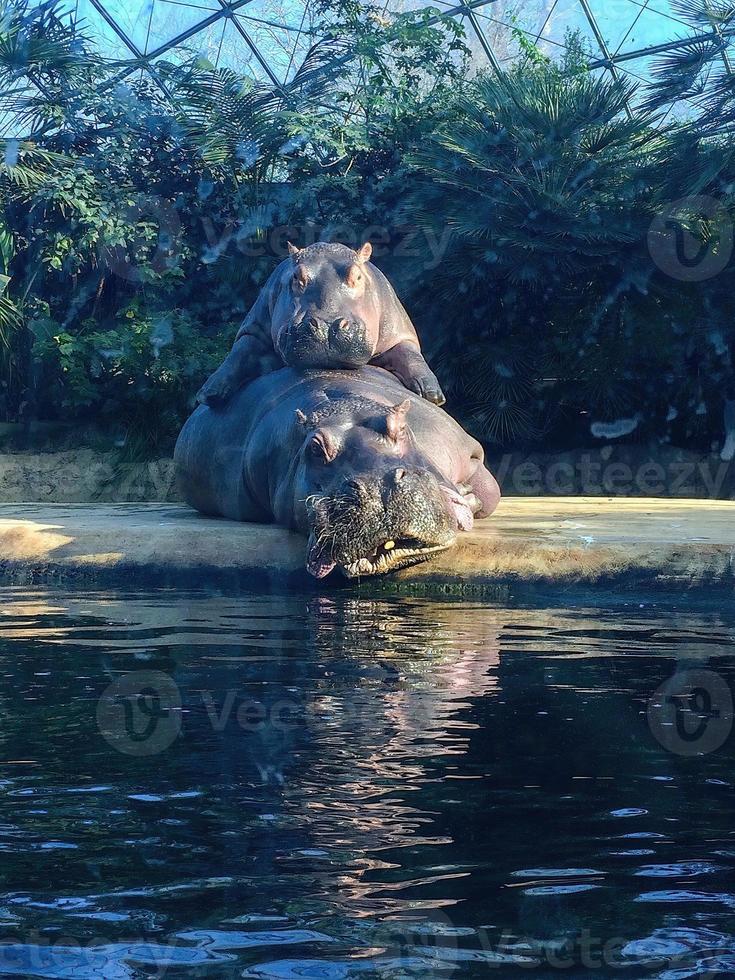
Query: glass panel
[(100, 32), (283, 30), (171, 19), (472, 40), (205, 44), (284, 14), (541, 22), (236, 55), (132, 16), (671, 24), (403, 6), (651, 28), (629, 25), (638, 73), (274, 43), (300, 47)]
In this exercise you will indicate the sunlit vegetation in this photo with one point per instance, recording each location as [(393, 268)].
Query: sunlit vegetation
[(140, 216)]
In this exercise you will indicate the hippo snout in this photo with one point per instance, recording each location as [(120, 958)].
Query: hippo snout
[(348, 341), (316, 328), (374, 522), (313, 341)]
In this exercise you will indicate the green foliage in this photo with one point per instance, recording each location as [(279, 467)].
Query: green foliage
[(548, 311), (165, 197), (698, 76), (347, 165), (138, 221), (138, 375)]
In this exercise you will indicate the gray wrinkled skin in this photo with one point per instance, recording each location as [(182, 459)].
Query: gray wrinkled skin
[(377, 478), (325, 306)]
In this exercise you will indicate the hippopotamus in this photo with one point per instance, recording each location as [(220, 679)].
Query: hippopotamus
[(324, 306), (376, 477)]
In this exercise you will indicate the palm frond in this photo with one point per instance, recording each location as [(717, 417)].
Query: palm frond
[(705, 13), (10, 315), (37, 42), (26, 166)]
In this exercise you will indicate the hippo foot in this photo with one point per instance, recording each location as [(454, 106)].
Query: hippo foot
[(246, 360), (213, 397), (217, 391), (428, 387)]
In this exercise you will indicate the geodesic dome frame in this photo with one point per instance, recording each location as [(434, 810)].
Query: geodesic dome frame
[(265, 39)]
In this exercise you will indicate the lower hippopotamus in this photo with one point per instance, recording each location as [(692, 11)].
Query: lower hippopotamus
[(324, 306), (377, 478)]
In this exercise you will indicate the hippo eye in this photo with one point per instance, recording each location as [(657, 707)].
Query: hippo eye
[(354, 277), (299, 280), (320, 448)]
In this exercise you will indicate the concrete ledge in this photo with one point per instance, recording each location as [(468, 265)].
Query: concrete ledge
[(540, 539)]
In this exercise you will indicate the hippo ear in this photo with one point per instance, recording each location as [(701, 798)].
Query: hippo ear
[(363, 253), (293, 251), (301, 418), (395, 421)]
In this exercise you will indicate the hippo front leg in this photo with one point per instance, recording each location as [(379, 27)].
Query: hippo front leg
[(246, 360), (407, 363)]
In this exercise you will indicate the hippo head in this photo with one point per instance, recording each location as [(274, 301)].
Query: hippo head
[(326, 312), (367, 498)]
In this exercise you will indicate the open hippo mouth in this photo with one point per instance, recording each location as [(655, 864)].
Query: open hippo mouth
[(388, 556), (360, 535), (392, 555)]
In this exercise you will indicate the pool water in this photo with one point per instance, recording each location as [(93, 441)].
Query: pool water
[(354, 784)]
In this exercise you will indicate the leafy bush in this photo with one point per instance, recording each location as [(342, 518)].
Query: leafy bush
[(549, 313), (125, 207), (138, 222), (138, 375)]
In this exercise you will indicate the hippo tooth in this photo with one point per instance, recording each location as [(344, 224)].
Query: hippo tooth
[(389, 545)]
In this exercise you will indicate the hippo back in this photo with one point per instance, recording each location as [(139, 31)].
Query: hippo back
[(238, 461)]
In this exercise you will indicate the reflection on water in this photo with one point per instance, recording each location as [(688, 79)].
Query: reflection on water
[(301, 786)]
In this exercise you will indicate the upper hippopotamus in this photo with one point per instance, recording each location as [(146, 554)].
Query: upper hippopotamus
[(376, 477), (325, 306)]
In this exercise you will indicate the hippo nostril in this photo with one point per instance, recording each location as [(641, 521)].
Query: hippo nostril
[(313, 323), (343, 324)]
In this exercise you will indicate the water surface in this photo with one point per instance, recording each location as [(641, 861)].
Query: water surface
[(354, 785)]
